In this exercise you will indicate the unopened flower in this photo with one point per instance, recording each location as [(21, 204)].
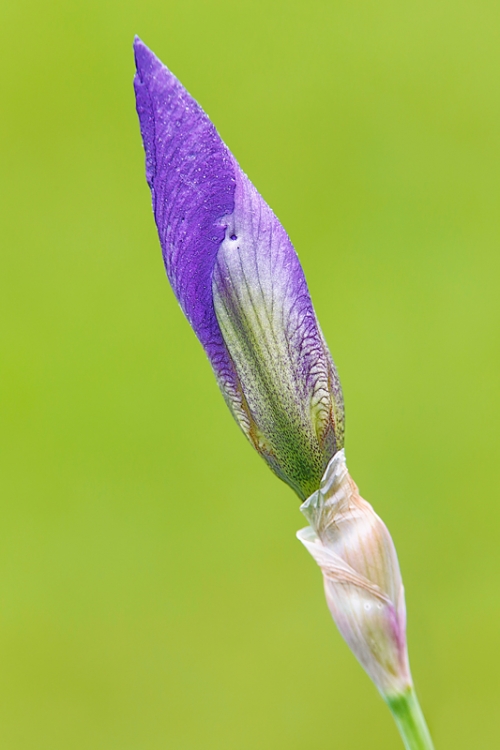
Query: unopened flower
[(239, 283)]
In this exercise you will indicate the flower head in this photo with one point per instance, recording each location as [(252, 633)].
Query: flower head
[(240, 284)]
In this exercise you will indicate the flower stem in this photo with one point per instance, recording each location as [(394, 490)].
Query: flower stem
[(410, 721)]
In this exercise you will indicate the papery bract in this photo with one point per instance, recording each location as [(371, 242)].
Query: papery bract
[(240, 284), (363, 585)]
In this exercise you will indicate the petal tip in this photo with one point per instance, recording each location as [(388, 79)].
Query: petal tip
[(145, 60)]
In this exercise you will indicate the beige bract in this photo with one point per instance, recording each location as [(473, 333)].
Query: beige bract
[(363, 585)]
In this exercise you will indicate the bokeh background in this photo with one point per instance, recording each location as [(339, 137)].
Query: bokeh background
[(152, 592)]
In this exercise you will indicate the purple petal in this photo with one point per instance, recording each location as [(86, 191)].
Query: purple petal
[(268, 322), (192, 181)]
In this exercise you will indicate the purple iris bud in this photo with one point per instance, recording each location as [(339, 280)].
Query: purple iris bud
[(239, 282)]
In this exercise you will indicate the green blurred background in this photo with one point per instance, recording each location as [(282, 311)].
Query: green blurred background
[(152, 592)]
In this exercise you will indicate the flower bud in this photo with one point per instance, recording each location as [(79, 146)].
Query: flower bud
[(361, 575), (240, 284)]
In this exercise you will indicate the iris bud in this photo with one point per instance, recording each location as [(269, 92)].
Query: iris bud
[(239, 282)]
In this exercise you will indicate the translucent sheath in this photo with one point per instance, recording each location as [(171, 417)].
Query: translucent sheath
[(364, 591)]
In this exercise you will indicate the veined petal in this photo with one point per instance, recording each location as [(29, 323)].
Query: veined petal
[(268, 322), (240, 284)]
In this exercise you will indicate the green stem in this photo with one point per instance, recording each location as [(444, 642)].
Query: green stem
[(410, 721)]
